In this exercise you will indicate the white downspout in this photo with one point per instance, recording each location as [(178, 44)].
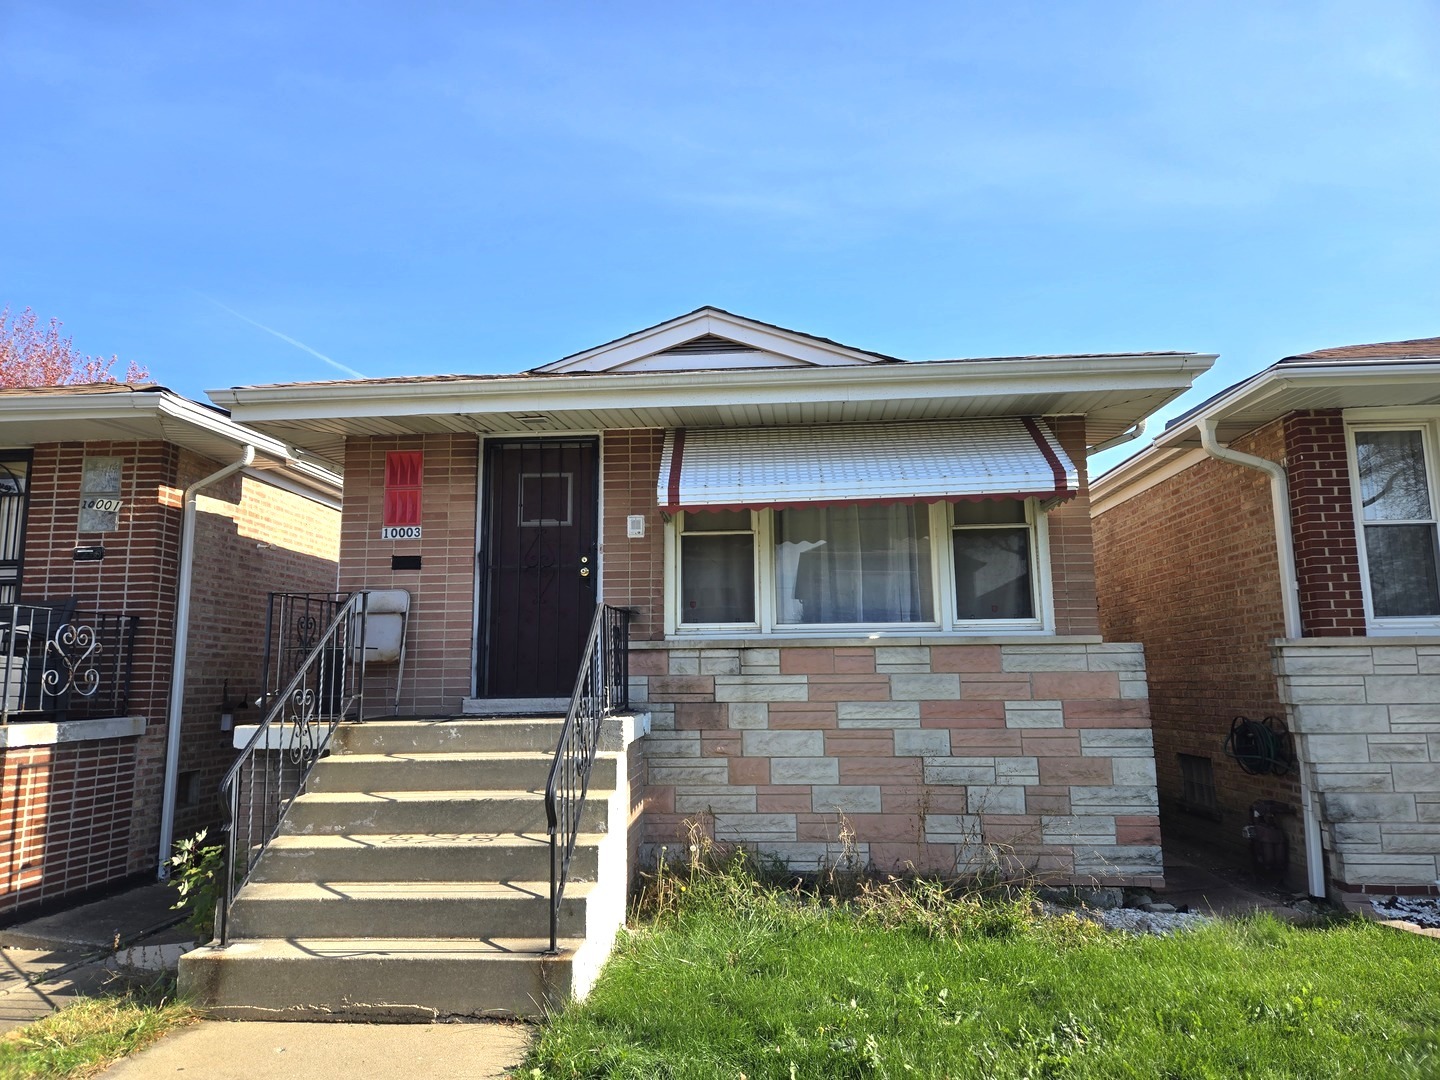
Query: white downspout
[(1119, 440), (1290, 589), (177, 671)]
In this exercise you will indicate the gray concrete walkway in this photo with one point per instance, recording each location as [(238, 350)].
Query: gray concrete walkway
[(235, 1050), (48, 962)]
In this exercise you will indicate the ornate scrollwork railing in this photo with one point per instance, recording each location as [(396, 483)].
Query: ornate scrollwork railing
[(301, 716), (601, 689), (63, 662), (293, 624)]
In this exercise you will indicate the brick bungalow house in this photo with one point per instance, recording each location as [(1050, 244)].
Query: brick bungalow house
[(860, 585), (93, 487), (1275, 552), (860, 589)]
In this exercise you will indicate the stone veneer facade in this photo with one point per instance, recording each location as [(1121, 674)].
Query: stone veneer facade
[(1367, 714), (941, 755)]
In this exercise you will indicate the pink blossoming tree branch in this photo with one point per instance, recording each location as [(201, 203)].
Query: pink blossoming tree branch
[(35, 355)]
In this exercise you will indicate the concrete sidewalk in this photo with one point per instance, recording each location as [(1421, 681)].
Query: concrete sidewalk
[(47, 963), (238, 1050)]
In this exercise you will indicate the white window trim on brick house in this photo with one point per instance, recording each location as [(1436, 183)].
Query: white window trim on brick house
[(1427, 422), (941, 522)]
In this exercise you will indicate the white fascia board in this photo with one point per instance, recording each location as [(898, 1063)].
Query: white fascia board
[(158, 408), (688, 327), (1268, 387), (561, 393)]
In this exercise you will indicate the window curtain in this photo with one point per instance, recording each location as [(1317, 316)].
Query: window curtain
[(853, 564)]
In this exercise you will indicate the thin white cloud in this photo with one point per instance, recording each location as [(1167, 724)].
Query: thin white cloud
[(287, 338)]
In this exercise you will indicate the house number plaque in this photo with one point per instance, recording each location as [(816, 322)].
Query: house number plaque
[(400, 532)]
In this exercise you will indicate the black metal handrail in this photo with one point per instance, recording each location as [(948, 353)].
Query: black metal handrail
[(328, 685), (601, 689), (62, 662)]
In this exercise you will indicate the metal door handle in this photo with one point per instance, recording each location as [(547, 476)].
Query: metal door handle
[(584, 571)]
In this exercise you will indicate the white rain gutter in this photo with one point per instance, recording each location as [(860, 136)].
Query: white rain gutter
[(177, 671), (1285, 552), (1119, 440)]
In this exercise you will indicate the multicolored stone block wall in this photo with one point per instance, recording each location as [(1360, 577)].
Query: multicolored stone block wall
[(939, 756)]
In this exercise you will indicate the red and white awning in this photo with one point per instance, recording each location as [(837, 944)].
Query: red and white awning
[(923, 461)]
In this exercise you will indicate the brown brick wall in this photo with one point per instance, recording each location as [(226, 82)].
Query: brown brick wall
[(64, 819), (136, 577), (104, 824), (1327, 557), (437, 672), (1188, 568)]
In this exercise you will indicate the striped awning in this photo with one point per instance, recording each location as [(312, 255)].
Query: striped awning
[(915, 461)]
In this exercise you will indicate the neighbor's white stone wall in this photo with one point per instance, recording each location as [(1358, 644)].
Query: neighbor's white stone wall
[(1366, 714), (937, 753)]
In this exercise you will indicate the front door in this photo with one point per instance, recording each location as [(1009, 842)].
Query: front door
[(538, 560)]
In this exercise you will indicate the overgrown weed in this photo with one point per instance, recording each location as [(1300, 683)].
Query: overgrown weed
[(707, 876)]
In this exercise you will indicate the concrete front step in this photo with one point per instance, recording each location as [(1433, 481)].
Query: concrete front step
[(421, 857), (394, 909), (377, 979), (539, 734), (423, 771), (444, 812), (536, 733)]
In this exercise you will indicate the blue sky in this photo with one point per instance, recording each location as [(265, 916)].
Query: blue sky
[(483, 187)]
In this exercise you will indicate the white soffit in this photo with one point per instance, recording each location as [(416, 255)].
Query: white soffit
[(728, 468)]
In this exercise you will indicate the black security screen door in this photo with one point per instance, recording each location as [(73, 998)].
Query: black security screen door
[(538, 557)]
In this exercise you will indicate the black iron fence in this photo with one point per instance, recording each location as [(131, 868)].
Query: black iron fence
[(326, 686), (64, 663), (601, 689), (293, 624)]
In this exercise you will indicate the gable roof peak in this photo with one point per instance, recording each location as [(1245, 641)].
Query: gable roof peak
[(729, 340)]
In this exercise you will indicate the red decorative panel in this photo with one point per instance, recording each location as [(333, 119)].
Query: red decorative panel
[(403, 469)]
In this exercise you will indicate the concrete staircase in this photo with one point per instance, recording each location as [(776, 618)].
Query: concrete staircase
[(410, 881)]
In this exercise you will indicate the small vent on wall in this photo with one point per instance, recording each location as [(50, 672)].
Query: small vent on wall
[(707, 343), (1197, 777)]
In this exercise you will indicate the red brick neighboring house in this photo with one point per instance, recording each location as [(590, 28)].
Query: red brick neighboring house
[(861, 587), (92, 485), (1325, 615)]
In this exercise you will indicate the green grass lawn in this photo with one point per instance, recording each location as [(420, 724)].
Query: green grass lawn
[(90, 1035), (732, 980)]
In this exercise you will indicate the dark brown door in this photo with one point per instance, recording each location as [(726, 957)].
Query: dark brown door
[(538, 553)]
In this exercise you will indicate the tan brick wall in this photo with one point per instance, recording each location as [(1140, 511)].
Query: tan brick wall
[(251, 539), (633, 570), (437, 674), (1188, 568), (1072, 549), (941, 756)]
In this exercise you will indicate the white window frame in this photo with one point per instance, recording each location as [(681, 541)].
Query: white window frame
[(1427, 422), (942, 580)]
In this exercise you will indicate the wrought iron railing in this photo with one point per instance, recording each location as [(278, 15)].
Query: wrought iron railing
[(601, 689), (63, 663), (293, 624), (327, 686)]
